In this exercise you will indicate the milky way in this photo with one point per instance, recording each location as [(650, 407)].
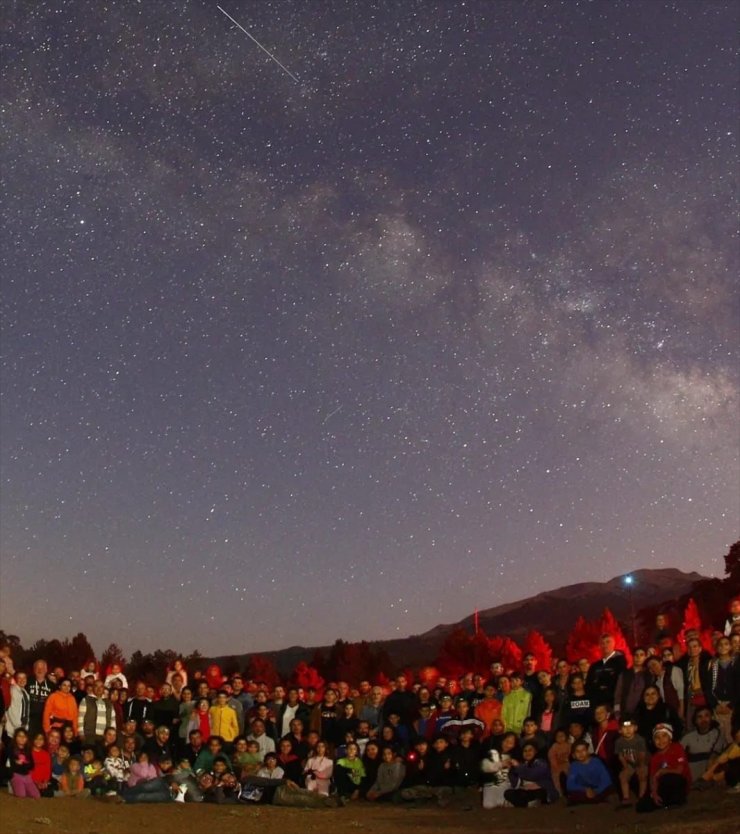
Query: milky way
[(450, 320)]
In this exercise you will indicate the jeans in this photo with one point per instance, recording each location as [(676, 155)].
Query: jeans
[(153, 790)]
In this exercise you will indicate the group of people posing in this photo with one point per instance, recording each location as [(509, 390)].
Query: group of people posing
[(642, 734)]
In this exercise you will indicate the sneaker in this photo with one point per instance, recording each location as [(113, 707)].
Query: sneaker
[(181, 791), (113, 798), (735, 789)]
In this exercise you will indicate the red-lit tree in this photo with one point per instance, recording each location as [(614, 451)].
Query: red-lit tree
[(382, 680), (462, 652), (583, 641), (457, 653), (608, 624), (692, 622), (307, 676), (262, 669), (505, 651), (428, 676), (534, 643)]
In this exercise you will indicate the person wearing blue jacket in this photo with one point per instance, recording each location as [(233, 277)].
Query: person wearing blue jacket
[(588, 778), (531, 780)]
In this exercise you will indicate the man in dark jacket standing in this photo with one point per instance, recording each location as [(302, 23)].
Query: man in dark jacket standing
[(601, 681), (39, 688)]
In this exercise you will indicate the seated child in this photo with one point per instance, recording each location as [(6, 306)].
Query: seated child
[(578, 732), (250, 761), (348, 772), (632, 754), (388, 778), (669, 777), (559, 758), (72, 782), (495, 768), (115, 769), (58, 762), (185, 779), (588, 778), (93, 773), (270, 768), (41, 773), (224, 786)]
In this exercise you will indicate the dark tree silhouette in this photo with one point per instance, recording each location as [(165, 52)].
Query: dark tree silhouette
[(732, 567), (113, 654)]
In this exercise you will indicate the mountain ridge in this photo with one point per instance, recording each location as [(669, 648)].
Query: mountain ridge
[(552, 613)]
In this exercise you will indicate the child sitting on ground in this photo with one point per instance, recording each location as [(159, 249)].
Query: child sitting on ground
[(58, 762), (93, 773), (72, 782), (250, 761), (588, 777), (115, 769), (559, 758)]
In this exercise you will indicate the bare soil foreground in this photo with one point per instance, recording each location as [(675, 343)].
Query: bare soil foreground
[(714, 812)]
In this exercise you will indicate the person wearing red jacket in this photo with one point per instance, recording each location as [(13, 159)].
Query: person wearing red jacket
[(669, 776), (41, 772)]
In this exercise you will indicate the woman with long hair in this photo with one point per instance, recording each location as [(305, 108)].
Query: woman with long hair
[(651, 711)]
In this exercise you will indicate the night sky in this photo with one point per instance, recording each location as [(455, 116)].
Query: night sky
[(449, 320)]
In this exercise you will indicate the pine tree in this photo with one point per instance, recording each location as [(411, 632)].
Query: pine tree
[(113, 654), (456, 654), (505, 651), (262, 669), (732, 566), (583, 641), (692, 622), (77, 652), (535, 643), (307, 676), (608, 624)]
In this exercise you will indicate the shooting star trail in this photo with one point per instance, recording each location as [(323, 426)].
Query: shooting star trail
[(266, 51), (331, 414)]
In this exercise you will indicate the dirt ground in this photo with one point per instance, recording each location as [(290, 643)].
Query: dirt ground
[(713, 812)]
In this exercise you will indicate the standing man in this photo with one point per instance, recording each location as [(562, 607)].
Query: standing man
[(95, 715), (602, 677), (631, 684), (402, 702), (39, 688), (138, 708)]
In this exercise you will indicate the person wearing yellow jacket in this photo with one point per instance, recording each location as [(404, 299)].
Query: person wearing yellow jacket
[(224, 721), (517, 705)]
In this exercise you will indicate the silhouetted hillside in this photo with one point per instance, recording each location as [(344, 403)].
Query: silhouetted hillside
[(553, 613)]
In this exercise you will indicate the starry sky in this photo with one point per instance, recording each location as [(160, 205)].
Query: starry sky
[(444, 315)]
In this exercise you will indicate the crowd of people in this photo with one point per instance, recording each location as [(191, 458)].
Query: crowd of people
[(644, 734)]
